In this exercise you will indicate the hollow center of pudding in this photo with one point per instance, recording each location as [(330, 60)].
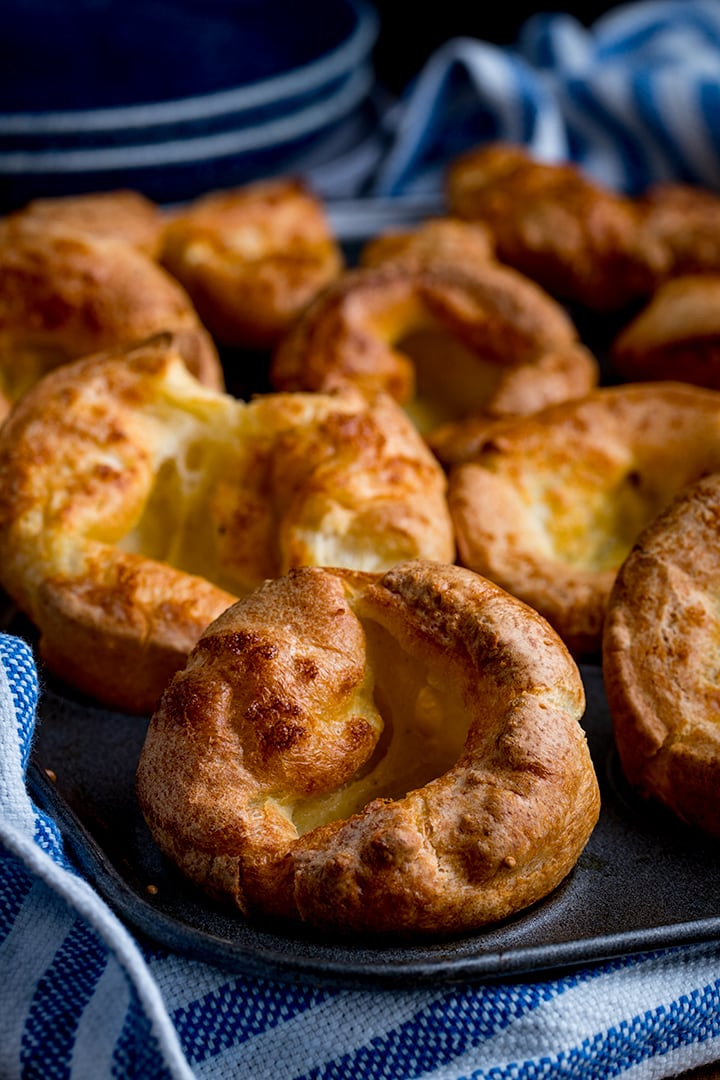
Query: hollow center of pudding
[(451, 381), (591, 518), (175, 525), (425, 723), (207, 511)]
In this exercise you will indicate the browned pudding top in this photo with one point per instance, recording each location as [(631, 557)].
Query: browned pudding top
[(686, 221), (120, 215), (458, 242), (582, 242), (676, 335), (551, 504), (252, 258), (135, 504), (661, 657), (65, 295), (396, 752), (446, 339)]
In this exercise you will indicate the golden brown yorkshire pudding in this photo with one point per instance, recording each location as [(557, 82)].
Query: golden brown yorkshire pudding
[(660, 657), (374, 753), (252, 257), (553, 503), (65, 295), (581, 242), (136, 505), (444, 341), (121, 215), (686, 221), (463, 242), (676, 336)]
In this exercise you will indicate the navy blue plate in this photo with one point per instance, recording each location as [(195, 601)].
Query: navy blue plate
[(174, 101), (86, 64)]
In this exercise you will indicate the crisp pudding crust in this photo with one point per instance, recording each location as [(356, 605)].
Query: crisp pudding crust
[(137, 504), (581, 241), (377, 753), (661, 658), (252, 258), (450, 338), (66, 294), (550, 505)]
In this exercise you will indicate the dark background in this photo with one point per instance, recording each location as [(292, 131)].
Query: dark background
[(410, 32)]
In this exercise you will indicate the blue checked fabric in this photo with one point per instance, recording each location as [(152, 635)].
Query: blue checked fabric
[(633, 99), (79, 998)]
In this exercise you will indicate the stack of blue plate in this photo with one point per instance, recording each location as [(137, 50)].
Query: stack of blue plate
[(177, 97)]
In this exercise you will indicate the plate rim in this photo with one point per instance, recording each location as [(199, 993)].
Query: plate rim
[(339, 60)]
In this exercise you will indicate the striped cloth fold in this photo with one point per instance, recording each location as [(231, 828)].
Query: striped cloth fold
[(80, 998), (634, 99)]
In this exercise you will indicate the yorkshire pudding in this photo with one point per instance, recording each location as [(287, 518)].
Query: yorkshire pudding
[(136, 505), (445, 341), (580, 241), (252, 257), (553, 503), (686, 220), (64, 295), (397, 753), (676, 336), (660, 658), (121, 215), (463, 242)]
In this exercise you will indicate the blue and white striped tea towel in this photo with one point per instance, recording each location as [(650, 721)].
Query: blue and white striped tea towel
[(633, 99), (79, 998)]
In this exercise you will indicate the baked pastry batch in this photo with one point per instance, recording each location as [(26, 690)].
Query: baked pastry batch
[(354, 600)]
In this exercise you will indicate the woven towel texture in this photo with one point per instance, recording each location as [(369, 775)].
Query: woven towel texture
[(633, 99)]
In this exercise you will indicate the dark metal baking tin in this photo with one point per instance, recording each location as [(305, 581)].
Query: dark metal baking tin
[(645, 881)]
